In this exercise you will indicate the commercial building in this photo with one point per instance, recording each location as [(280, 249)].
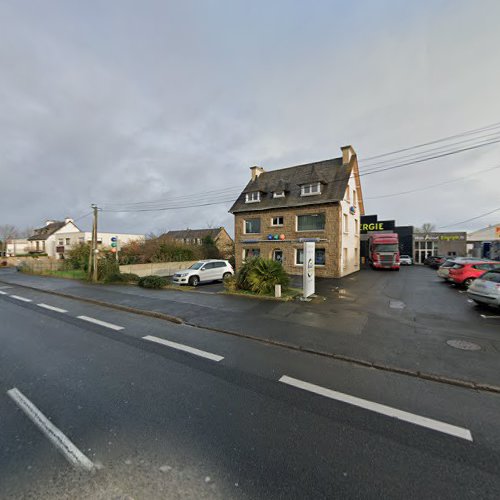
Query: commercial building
[(448, 244), (322, 202), (485, 243)]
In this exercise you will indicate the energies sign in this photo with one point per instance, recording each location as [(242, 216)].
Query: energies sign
[(369, 223), (308, 269)]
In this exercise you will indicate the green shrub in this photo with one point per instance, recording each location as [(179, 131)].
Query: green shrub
[(230, 283), (259, 276), (78, 257), (130, 277), (153, 282), (107, 266), (265, 274)]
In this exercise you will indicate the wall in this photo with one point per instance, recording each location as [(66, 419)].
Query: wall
[(331, 234), (224, 244), (350, 240), (156, 268)]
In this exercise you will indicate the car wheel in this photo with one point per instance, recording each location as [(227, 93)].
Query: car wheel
[(468, 282), (194, 281), (226, 275)]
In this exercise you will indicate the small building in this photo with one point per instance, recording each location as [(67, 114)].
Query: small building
[(448, 244), (219, 236), (16, 247), (280, 209), (485, 242), (57, 238)]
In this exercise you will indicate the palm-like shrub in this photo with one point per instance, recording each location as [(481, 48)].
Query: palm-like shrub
[(264, 274)]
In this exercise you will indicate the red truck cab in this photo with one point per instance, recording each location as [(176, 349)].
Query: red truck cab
[(384, 251)]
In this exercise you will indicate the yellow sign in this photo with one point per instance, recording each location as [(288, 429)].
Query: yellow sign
[(497, 232)]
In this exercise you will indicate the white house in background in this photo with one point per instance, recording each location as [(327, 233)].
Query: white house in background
[(56, 238), (17, 246), (67, 241), (44, 239)]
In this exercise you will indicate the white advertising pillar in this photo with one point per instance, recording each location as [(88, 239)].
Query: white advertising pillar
[(308, 281)]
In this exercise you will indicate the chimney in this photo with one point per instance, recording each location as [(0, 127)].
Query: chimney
[(67, 220), (256, 171), (347, 153), (49, 222)]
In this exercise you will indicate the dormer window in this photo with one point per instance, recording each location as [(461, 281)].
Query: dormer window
[(279, 194), (310, 189), (253, 197)]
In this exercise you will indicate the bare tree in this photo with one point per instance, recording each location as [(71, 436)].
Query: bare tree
[(426, 228), (7, 232)]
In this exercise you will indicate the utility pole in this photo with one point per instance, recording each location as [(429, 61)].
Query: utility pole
[(93, 247)]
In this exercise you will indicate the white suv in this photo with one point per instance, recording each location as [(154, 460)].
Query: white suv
[(203, 271)]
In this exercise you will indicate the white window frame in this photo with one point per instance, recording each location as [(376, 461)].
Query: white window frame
[(345, 224), (307, 189), (279, 194), (297, 250), (245, 225), (277, 217), (354, 198), (348, 194), (251, 198), (297, 230)]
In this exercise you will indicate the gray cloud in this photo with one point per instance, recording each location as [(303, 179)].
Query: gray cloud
[(112, 102)]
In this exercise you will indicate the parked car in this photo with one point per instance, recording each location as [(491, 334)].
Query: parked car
[(464, 273), (437, 261), (203, 271), (444, 269), (405, 260), (486, 289)]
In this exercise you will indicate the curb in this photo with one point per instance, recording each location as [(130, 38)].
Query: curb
[(466, 384), (110, 305)]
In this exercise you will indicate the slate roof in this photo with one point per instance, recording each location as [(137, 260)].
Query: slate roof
[(193, 233), (44, 232), (332, 174)]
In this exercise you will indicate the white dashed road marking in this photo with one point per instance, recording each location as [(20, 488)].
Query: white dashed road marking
[(185, 348), (489, 317), (430, 423), (24, 299), (52, 308), (101, 323), (3, 293), (51, 432)]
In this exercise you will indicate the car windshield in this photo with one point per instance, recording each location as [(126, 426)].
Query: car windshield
[(494, 277), (405, 256), (197, 265), (386, 248)]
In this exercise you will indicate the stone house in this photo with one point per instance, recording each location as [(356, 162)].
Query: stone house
[(219, 235), (280, 209)]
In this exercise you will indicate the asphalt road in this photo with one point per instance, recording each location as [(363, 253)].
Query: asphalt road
[(159, 422)]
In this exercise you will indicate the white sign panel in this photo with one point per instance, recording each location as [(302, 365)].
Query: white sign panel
[(308, 265)]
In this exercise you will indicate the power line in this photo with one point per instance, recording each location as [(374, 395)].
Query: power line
[(461, 134), (471, 219), (432, 185), (416, 155)]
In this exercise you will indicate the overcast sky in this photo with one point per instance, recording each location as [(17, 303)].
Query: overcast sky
[(125, 101)]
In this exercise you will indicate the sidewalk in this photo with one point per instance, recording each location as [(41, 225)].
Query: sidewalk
[(345, 326)]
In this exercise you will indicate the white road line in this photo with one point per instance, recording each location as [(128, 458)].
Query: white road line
[(489, 317), (53, 434), (24, 299), (185, 348), (99, 322), (4, 287), (430, 423), (3, 293), (52, 308)]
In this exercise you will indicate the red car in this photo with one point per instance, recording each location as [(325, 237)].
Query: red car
[(466, 272)]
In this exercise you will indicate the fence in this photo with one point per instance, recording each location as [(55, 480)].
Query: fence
[(38, 266), (156, 268)]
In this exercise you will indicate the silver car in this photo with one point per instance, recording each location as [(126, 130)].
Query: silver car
[(486, 289)]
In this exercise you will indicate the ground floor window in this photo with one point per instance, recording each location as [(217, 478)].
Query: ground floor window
[(319, 257), (250, 253), (424, 249), (278, 255), (345, 258)]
